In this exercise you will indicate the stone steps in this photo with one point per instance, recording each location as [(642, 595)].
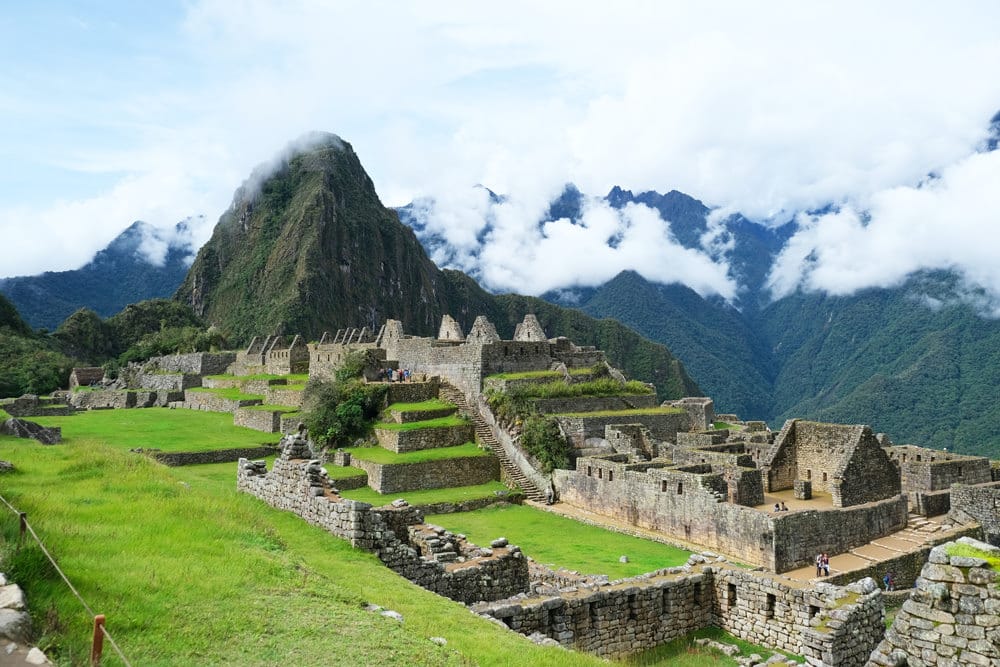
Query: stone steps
[(485, 435)]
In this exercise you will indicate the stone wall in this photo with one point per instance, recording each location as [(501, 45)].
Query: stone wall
[(424, 438), (952, 617), (303, 488), (176, 459), (980, 503), (595, 403), (267, 421), (195, 363), (412, 392), (662, 426), (206, 400), (166, 381), (829, 625), (85, 376), (700, 409), (397, 477), (277, 395), (923, 470), (401, 417)]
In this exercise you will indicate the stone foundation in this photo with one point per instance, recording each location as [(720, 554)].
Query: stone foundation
[(424, 438), (397, 477)]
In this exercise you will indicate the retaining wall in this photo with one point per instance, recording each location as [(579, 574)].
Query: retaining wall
[(424, 438), (595, 403), (397, 477)]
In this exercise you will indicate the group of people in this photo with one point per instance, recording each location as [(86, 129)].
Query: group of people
[(394, 374), (780, 507), (822, 565)]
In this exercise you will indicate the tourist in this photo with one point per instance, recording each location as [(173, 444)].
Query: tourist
[(549, 494), (887, 580), (819, 565), (777, 507), (784, 507), (826, 565)]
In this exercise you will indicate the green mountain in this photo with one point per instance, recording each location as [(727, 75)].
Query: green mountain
[(307, 247), (29, 363)]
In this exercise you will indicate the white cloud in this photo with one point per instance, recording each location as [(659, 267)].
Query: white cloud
[(949, 222), (762, 109)]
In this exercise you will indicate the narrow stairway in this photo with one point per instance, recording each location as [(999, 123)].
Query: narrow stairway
[(485, 435)]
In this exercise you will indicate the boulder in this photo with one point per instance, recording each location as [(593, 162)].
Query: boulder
[(22, 428)]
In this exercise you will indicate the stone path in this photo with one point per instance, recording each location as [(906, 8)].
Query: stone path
[(485, 435), (919, 532)]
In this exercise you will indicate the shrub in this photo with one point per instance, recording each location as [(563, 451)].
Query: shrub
[(542, 439), (338, 413)]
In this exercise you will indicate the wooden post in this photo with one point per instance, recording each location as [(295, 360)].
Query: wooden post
[(23, 516), (98, 646)]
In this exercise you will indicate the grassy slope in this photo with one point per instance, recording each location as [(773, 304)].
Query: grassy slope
[(580, 547), (195, 573), (440, 422), (159, 428), (380, 455)]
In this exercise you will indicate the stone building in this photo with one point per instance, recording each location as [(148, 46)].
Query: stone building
[(85, 377), (926, 475)]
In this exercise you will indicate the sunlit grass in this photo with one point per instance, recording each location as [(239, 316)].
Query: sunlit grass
[(455, 494), (384, 456)]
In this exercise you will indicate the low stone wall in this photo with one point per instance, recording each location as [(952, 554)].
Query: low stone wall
[(195, 363), (267, 421), (501, 498), (397, 477), (206, 400), (401, 417), (412, 392), (830, 626), (290, 422), (176, 459), (282, 396), (222, 383), (303, 488), (424, 438), (662, 426), (167, 381), (30, 405), (951, 618), (595, 403), (930, 503)]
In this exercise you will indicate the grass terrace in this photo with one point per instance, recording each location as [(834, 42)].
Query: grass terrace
[(532, 375), (961, 549), (159, 428), (292, 378), (232, 393), (623, 413), (287, 409), (384, 456), (683, 652), (560, 542), (431, 404), (455, 494), (440, 422)]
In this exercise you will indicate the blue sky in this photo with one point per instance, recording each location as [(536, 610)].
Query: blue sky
[(114, 112)]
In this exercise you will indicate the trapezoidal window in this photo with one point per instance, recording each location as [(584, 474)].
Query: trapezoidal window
[(731, 595), (600, 474), (590, 471), (769, 608), (824, 477), (611, 475), (663, 486), (809, 474), (680, 488)]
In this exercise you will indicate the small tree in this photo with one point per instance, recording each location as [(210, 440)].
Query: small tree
[(338, 413), (542, 439)]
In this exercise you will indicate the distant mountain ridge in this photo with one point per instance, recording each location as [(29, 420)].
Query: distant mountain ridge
[(307, 247), (117, 276)]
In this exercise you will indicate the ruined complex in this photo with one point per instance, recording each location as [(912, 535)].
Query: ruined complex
[(673, 470)]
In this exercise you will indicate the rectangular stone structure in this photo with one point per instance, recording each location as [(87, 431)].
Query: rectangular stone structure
[(803, 489)]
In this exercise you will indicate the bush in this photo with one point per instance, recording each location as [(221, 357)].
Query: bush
[(542, 439), (338, 413)]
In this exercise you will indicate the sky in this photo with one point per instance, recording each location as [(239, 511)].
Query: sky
[(116, 112)]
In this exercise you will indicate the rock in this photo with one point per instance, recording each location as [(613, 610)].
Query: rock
[(440, 641), (36, 657), (6, 466), (395, 615), (15, 625), (400, 502), (22, 428), (11, 597), (372, 607), (863, 586), (623, 559), (499, 543)]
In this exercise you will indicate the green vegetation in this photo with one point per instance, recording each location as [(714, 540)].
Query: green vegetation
[(384, 456), (292, 378), (683, 652), (623, 413), (960, 549), (432, 404), (561, 542), (542, 439), (344, 472), (158, 428), (723, 426), (440, 422), (455, 494), (231, 393), (196, 573), (340, 412), (287, 409)]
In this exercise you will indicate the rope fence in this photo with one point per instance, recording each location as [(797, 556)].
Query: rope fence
[(100, 632)]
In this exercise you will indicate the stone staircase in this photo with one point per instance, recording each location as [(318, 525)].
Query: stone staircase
[(485, 435)]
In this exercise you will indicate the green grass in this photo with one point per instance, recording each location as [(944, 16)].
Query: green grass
[(721, 426), (960, 549), (683, 652), (432, 404), (529, 375), (288, 409), (189, 572), (453, 494), (382, 455), (159, 428), (344, 472), (440, 422), (232, 393), (623, 413), (561, 542)]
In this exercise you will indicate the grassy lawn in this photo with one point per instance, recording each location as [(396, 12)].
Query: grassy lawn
[(344, 472), (273, 408), (381, 455), (159, 428), (432, 404), (623, 413), (684, 652), (561, 542), (440, 422), (427, 497), (232, 393), (189, 572)]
